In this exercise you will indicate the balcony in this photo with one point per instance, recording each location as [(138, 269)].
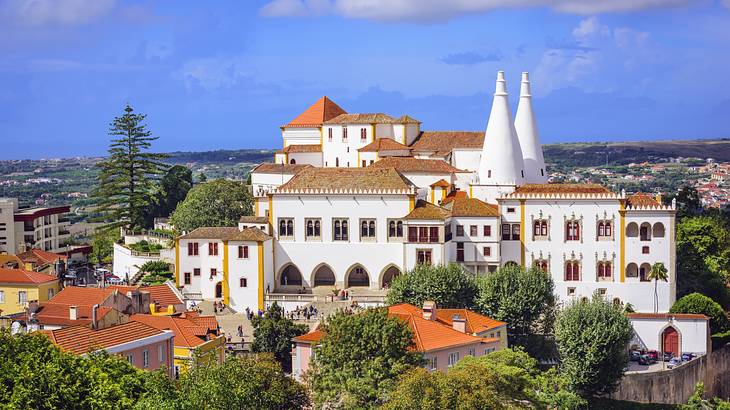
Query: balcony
[(63, 232)]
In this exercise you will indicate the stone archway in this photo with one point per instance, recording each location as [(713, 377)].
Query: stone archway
[(323, 276), (290, 276), (357, 276), (670, 341), (388, 275)]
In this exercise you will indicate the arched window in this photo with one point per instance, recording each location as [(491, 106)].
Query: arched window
[(310, 228), (536, 228), (601, 229), (658, 230), (632, 270), (391, 229), (282, 227), (572, 230), (516, 232), (364, 229), (317, 227), (645, 232), (292, 161), (632, 230), (604, 270), (399, 229), (608, 228), (542, 264), (540, 228), (572, 271)]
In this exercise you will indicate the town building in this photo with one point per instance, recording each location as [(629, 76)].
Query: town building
[(21, 229), (19, 288), (444, 336)]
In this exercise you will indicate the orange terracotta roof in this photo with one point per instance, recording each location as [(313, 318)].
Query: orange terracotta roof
[(162, 295), (187, 329), (40, 256), (427, 211), (453, 195), (319, 112), (250, 219), (443, 142), (384, 144), (24, 277), (468, 207), (406, 119), (375, 118), (561, 189), (367, 178), (642, 199), (442, 183), (666, 316), (475, 323), (311, 337), (228, 233), (58, 314), (410, 164), (80, 296), (295, 148), (81, 339), (270, 168)]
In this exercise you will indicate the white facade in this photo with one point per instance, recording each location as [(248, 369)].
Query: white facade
[(692, 332), (527, 133), (21, 229)]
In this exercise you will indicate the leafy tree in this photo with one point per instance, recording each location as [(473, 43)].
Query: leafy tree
[(173, 189), (216, 203), (697, 402), (273, 333), (688, 201), (360, 358), (658, 272), (525, 300), (447, 285), (701, 304), (126, 177), (155, 266), (703, 257), (102, 245), (592, 341)]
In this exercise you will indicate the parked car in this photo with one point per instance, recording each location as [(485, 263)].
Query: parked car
[(674, 362), (668, 356), (646, 360), (653, 354), (634, 355), (687, 357)]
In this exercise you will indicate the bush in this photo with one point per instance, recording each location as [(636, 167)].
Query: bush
[(155, 267), (701, 304), (449, 286)]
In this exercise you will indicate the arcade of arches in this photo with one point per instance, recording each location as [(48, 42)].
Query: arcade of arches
[(323, 275)]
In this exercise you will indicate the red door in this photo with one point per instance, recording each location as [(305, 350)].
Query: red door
[(670, 339)]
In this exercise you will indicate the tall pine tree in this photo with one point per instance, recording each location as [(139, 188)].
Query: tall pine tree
[(128, 176)]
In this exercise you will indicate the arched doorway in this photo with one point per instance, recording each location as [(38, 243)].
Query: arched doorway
[(670, 341), (388, 276), (644, 270), (292, 161), (324, 276), (357, 276), (632, 230), (218, 290), (291, 276)]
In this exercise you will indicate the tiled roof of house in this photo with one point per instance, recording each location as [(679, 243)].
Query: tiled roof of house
[(443, 142), (250, 219), (271, 168), (319, 112), (642, 199), (384, 144), (20, 276), (39, 256), (82, 296), (561, 189), (81, 339), (475, 323), (190, 331), (453, 195), (374, 118), (347, 179), (162, 295), (295, 148), (410, 164), (228, 233), (427, 211), (442, 183), (59, 314), (406, 119), (313, 336), (466, 207), (666, 316)]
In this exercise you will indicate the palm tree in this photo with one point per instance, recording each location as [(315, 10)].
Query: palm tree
[(658, 272)]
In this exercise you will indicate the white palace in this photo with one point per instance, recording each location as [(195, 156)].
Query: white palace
[(354, 200)]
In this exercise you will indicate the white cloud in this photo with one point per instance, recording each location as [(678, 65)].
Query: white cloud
[(438, 10), (590, 27), (626, 37), (38, 13)]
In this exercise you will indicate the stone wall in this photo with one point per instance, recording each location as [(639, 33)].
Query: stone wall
[(675, 386)]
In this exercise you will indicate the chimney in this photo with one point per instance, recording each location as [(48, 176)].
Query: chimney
[(458, 323), (72, 312), (526, 128), (93, 316), (429, 310), (501, 163)]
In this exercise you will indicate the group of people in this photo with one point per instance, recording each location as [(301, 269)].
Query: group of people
[(303, 313), (250, 314), (218, 306)]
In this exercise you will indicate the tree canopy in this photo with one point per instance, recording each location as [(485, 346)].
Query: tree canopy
[(102, 245), (701, 304), (524, 299), (447, 285), (172, 189), (592, 337), (360, 358), (216, 203), (273, 333)]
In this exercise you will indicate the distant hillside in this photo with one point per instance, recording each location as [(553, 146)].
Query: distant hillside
[(622, 153), (253, 156)]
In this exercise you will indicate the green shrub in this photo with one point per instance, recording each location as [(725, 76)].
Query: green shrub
[(701, 304)]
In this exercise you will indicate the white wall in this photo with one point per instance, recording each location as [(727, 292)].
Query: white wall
[(692, 333), (262, 183), (474, 245), (345, 151), (301, 136), (466, 159), (125, 262), (311, 158)]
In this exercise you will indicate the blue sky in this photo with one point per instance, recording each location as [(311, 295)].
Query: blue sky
[(227, 74)]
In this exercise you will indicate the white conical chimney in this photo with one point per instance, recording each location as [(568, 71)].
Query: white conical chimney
[(501, 162), (526, 127)]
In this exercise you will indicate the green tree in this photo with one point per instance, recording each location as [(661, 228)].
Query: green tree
[(698, 402), (273, 333), (102, 245), (525, 300), (701, 304), (173, 189), (359, 359), (127, 177), (658, 272), (216, 203), (447, 285), (703, 257), (592, 340), (688, 201)]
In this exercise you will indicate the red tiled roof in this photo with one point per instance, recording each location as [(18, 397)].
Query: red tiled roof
[(162, 295), (319, 112), (187, 329), (294, 148), (79, 296), (37, 255), (348, 179), (443, 142), (313, 336), (561, 189), (642, 199), (384, 144), (368, 118), (24, 277), (442, 183), (427, 211), (81, 339), (475, 323), (270, 168), (410, 164), (461, 205), (58, 314), (227, 233)]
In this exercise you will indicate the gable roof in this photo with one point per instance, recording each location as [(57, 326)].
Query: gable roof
[(81, 339), (411, 164), (384, 144), (642, 199), (24, 277), (368, 118), (427, 211), (443, 142), (271, 168), (40, 256), (441, 183), (322, 110), (461, 205), (82, 296), (190, 330), (251, 219), (347, 179), (228, 233), (58, 314)]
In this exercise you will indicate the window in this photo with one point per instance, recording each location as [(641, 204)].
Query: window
[(604, 229), (499, 333), (510, 210), (363, 134), (242, 251), (340, 230), (187, 278), (453, 358), (367, 229), (571, 291), (286, 227), (213, 272), (423, 256), (432, 363), (145, 358), (472, 351), (460, 251), (344, 134), (572, 230), (487, 230), (160, 353), (2, 296), (572, 271), (540, 228), (130, 359), (515, 232), (604, 271), (395, 229), (473, 230), (506, 232), (50, 293), (329, 134), (314, 229), (192, 249), (487, 251), (645, 250), (645, 232), (459, 230), (337, 162), (243, 282), (22, 296), (213, 248), (196, 271), (423, 234), (542, 264), (364, 163)]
